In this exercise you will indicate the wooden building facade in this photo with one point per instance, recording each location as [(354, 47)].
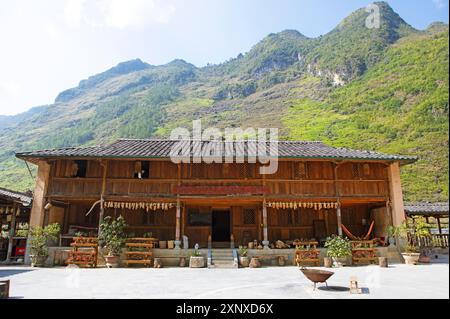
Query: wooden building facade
[(315, 189)]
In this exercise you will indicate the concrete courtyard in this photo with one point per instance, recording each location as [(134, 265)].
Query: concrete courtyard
[(397, 281)]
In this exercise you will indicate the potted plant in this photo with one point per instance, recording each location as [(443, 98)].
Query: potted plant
[(412, 231), (393, 232), (243, 257), (113, 237), (196, 260), (338, 249), (40, 236)]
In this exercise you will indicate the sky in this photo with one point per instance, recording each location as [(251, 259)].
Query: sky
[(48, 46)]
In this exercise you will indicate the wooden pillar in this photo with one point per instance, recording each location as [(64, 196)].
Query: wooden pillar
[(265, 226), (178, 226), (338, 195), (339, 219), (38, 210), (396, 194), (439, 225), (102, 196), (178, 214), (12, 233)]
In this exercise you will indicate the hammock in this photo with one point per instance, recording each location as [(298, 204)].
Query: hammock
[(353, 237)]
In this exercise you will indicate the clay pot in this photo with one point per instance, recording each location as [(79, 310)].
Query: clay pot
[(424, 259), (197, 262), (245, 261), (339, 261), (411, 258), (328, 262), (255, 263), (112, 261)]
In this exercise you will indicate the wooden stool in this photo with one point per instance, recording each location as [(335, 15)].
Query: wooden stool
[(4, 289), (383, 262), (157, 263), (255, 263)]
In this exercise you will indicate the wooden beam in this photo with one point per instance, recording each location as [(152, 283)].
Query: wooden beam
[(396, 194), (12, 233), (39, 201), (102, 196)]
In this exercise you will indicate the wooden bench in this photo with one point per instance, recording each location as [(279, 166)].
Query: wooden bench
[(307, 252), (139, 251), (363, 252), (84, 252)]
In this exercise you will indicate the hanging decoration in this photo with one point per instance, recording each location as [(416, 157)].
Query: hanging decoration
[(297, 205), (139, 206)]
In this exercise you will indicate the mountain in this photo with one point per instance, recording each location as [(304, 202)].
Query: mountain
[(382, 89)]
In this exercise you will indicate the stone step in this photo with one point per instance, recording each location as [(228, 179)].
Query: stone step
[(222, 258)]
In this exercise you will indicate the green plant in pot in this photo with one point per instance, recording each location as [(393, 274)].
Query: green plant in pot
[(196, 260), (243, 257), (112, 238), (412, 231), (338, 248), (40, 236)]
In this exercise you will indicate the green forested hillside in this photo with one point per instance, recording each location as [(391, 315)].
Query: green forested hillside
[(381, 89)]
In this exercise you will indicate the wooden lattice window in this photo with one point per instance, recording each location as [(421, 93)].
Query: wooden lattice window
[(301, 170), (355, 171), (245, 170), (249, 217)]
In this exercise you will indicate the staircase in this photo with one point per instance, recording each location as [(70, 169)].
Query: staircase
[(223, 258)]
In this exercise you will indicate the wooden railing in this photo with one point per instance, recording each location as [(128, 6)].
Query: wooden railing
[(435, 240)]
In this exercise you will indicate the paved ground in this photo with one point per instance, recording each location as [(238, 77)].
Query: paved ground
[(397, 281)]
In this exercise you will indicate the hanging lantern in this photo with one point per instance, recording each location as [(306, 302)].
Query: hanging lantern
[(295, 205)]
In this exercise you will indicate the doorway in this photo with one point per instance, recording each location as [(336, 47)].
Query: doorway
[(221, 228)]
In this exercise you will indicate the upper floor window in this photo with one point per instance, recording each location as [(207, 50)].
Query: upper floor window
[(79, 168), (142, 169), (301, 170)]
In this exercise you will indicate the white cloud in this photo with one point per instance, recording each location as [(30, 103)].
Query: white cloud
[(117, 13), (439, 3)]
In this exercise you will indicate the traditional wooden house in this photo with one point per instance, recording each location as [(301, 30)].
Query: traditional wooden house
[(15, 210), (316, 189)]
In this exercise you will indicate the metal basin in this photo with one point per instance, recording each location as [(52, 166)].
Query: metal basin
[(317, 276)]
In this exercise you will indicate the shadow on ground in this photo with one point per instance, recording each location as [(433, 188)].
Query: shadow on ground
[(12, 272)]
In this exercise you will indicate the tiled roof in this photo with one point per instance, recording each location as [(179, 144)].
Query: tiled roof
[(154, 148), (16, 196), (426, 208)]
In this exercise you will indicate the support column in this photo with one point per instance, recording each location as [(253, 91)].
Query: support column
[(12, 233), (38, 210), (178, 226), (396, 194), (102, 196), (339, 218), (265, 229)]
